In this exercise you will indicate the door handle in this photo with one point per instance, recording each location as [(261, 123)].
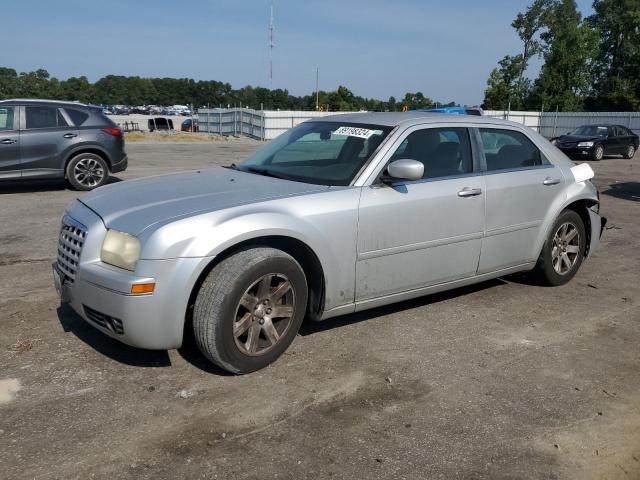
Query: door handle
[(8, 141), (70, 135), (551, 181), (469, 192)]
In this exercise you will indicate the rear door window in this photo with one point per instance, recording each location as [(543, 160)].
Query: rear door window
[(508, 149), (6, 118), (43, 117)]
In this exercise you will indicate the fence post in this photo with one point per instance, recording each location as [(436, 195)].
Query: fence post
[(555, 123)]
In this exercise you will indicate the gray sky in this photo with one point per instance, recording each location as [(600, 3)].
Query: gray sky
[(444, 48)]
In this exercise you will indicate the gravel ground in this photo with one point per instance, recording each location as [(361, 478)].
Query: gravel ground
[(500, 380)]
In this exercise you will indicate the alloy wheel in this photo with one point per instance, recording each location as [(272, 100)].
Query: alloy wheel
[(566, 248), (264, 314), (599, 153), (88, 172), (631, 151)]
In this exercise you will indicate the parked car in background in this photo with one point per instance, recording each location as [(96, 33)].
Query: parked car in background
[(337, 215), (455, 110), (596, 141), (189, 125), (53, 139), (159, 123)]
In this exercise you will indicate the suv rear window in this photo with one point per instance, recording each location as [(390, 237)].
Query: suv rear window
[(78, 117), (43, 117)]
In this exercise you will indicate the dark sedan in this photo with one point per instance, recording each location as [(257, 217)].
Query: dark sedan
[(596, 141)]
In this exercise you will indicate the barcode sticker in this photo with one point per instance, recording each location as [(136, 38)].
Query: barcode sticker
[(355, 132)]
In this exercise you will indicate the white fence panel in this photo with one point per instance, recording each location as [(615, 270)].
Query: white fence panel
[(268, 124)]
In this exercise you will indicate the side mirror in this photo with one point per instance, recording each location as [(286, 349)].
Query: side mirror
[(405, 169)]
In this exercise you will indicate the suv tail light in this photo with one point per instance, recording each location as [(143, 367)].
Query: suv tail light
[(114, 131)]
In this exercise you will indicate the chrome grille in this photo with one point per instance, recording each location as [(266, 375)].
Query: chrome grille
[(70, 242)]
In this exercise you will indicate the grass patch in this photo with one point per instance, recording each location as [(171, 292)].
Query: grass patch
[(172, 136)]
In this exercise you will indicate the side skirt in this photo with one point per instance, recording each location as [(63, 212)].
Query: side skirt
[(419, 292)]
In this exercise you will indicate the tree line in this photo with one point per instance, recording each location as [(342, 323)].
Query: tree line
[(590, 63), (133, 90)]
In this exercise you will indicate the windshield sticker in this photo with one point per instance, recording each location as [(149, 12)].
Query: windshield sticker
[(356, 132)]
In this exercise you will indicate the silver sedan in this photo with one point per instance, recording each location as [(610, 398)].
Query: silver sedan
[(337, 215)]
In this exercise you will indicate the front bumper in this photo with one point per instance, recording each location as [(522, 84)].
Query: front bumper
[(597, 228), (100, 293)]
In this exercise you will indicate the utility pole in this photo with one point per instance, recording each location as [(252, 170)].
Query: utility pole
[(317, 91), (271, 45)]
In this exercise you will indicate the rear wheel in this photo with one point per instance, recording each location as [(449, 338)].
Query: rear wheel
[(563, 252), (250, 308), (630, 151), (87, 171), (598, 152)]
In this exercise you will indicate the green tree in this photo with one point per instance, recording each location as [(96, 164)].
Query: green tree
[(8, 83), (569, 45), (416, 101), (617, 66), (506, 86)]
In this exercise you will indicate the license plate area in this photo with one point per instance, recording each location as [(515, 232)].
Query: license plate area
[(58, 282)]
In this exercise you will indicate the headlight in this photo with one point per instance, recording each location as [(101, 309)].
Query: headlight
[(585, 144), (120, 250), (554, 141)]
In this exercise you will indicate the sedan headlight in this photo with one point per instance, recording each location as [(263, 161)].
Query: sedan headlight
[(120, 250), (585, 144)]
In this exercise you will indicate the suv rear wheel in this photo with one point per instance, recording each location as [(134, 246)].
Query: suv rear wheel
[(250, 308), (87, 171)]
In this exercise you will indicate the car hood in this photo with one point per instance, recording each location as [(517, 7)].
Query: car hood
[(135, 205), (578, 138)]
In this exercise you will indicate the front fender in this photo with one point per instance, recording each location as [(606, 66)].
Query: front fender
[(206, 237)]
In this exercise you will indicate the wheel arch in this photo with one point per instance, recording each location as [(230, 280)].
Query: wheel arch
[(304, 255), (86, 149), (579, 205)]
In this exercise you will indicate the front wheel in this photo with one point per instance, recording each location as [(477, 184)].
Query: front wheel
[(563, 252), (630, 152), (250, 308), (598, 152), (87, 171)]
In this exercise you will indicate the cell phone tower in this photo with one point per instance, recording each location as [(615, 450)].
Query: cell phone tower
[(271, 45)]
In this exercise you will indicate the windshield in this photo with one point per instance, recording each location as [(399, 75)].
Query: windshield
[(323, 153), (591, 131)]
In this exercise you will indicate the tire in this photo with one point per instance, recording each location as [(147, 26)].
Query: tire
[(559, 244), (630, 152), (226, 304), (87, 171), (598, 153)]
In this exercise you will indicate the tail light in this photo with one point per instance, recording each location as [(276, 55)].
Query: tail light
[(113, 131)]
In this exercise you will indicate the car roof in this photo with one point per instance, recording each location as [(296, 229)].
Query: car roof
[(394, 119), (41, 101)]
